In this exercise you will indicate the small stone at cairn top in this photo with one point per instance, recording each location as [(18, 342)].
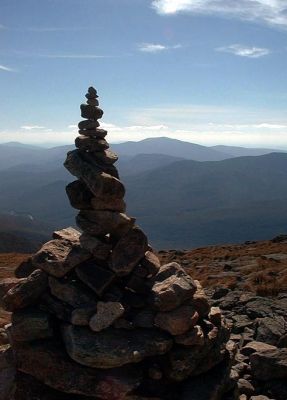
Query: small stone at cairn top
[(99, 317)]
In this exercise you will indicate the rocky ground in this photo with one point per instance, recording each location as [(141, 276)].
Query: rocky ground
[(249, 283)]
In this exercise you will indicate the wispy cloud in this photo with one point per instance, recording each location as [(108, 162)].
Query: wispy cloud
[(7, 69), (273, 12), (156, 47), (245, 51), (55, 29), (63, 55), (31, 127), (74, 56)]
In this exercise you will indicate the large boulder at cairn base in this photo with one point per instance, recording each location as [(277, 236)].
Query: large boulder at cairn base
[(113, 348), (100, 183), (26, 292), (48, 363), (58, 257)]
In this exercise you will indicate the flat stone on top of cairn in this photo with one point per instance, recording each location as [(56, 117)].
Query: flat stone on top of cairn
[(100, 316)]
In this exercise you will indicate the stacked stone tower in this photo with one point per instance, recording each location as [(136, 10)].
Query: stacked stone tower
[(99, 316)]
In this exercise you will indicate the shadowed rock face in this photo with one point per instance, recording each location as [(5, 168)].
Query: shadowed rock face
[(100, 317)]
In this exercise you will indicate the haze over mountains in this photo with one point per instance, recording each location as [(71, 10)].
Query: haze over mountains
[(183, 194)]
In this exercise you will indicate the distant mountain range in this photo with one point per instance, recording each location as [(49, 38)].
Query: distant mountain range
[(183, 194)]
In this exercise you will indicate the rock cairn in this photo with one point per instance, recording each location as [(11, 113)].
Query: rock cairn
[(94, 313)]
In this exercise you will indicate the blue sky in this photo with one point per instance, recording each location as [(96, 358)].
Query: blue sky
[(204, 71)]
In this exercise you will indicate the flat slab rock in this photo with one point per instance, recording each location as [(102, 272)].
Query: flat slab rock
[(48, 363), (26, 292), (58, 257), (99, 222), (70, 234), (113, 347), (72, 292), (129, 250)]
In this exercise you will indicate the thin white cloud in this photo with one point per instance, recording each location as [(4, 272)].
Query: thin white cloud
[(245, 51), (73, 56), (156, 47), (7, 69), (56, 29), (31, 127), (272, 12)]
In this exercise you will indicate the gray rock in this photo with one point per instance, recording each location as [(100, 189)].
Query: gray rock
[(82, 316), (90, 143), (185, 362), (91, 112), (269, 364), (211, 385), (93, 102), (30, 324), (58, 257), (79, 195), (92, 92), (127, 253), (200, 300), (270, 330), (6, 285), (99, 279), (100, 183), (56, 307), (7, 373), (194, 337), (240, 323), (93, 131), (72, 292), (48, 363), (88, 124), (98, 248), (105, 157), (118, 205), (98, 223), (113, 348), (107, 313), (245, 387), (254, 346), (70, 234), (151, 263), (110, 169), (172, 287), (26, 292), (178, 321)]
